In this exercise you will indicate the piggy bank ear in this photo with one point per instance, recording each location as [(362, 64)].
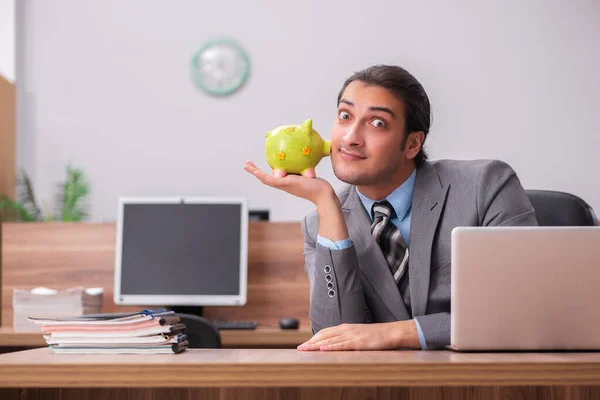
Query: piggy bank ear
[(268, 134), (307, 126)]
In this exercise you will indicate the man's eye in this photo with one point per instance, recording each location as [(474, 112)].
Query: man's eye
[(344, 115), (377, 123)]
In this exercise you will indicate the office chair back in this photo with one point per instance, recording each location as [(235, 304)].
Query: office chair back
[(554, 208), (200, 332)]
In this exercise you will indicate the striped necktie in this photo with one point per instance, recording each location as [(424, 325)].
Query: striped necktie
[(388, 237)]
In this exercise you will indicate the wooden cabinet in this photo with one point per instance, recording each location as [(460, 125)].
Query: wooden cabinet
[(7, 137)]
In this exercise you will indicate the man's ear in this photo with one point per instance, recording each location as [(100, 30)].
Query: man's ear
[(414, 143)]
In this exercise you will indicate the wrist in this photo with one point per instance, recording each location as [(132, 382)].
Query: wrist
[(405, 335), (326, 200), (331, 219)]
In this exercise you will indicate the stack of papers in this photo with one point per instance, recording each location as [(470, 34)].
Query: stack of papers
[(146, 332), (49, 303)]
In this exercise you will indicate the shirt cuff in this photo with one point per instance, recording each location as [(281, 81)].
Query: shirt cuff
[(339, 245), (421, 336)]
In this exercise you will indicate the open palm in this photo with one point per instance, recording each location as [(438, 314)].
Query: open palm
[(301, 186)]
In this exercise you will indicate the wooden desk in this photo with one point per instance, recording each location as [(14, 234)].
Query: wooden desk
[(263, 373), (260, 337)]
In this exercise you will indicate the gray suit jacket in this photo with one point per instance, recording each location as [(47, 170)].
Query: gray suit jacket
[(447, 194)]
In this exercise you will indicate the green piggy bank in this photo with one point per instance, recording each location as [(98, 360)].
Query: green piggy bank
[(295, 149)]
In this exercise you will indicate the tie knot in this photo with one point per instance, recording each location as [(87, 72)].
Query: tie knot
[(382, 209)]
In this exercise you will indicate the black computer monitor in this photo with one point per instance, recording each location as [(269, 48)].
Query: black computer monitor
[(181, 251)]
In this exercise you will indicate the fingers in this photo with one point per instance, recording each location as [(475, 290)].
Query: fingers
[(340, 342), (278, 180), (324, 336), (250, 167), (309, 346), (321, 344), (340, 346), (341, 337), (259, 174)]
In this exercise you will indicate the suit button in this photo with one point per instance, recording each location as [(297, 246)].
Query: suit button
[(328, 278), (330, 285), (331, 293), (327, 269)]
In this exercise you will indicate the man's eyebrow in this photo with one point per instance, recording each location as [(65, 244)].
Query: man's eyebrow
[(384, 109), (374, 108)]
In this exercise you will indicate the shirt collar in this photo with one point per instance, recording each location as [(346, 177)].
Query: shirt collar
[(400, 198)]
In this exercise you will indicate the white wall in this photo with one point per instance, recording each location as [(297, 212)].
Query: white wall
[(105, 85), (7, 39)]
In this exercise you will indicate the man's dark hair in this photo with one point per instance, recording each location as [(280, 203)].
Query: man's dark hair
[(400, 82)]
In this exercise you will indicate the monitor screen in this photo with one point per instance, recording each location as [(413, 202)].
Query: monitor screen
[(177, 252)]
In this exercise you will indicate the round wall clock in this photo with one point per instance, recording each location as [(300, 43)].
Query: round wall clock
[(220, 67)]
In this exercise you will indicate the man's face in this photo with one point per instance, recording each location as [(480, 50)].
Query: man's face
[(367, 137)]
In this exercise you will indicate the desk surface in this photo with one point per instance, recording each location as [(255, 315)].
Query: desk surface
[(259, 337), (291, 368)]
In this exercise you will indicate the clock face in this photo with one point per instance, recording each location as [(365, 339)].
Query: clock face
[(220, 67)]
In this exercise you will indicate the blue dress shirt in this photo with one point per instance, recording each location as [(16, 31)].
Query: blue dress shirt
[(401, 201)]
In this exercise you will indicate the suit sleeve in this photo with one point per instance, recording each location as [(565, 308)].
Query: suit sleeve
[(501, 201), (336, 293)]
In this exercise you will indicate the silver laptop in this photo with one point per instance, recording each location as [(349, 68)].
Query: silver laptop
[(525, 288)]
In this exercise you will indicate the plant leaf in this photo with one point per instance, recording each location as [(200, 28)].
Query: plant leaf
[(11, 210), (74, 191), (27, 197)]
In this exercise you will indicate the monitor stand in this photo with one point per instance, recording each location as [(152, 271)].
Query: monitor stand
[(194, 310)]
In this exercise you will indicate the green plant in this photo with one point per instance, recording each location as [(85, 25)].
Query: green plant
[(11, 210), (70, 201)]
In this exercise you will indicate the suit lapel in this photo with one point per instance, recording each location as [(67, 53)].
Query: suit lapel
[(371, 261), (429, 196)]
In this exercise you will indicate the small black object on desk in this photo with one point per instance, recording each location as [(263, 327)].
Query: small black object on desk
[(289, 323)]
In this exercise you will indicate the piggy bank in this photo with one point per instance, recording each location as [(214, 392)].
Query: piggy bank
[(295, 149)]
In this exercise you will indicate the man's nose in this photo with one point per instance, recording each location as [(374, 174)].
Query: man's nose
[(353, 136)]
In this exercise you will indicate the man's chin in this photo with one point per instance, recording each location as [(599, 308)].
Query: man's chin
[(349, 177)]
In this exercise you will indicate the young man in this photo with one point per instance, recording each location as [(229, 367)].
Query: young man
[(378, 253)]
